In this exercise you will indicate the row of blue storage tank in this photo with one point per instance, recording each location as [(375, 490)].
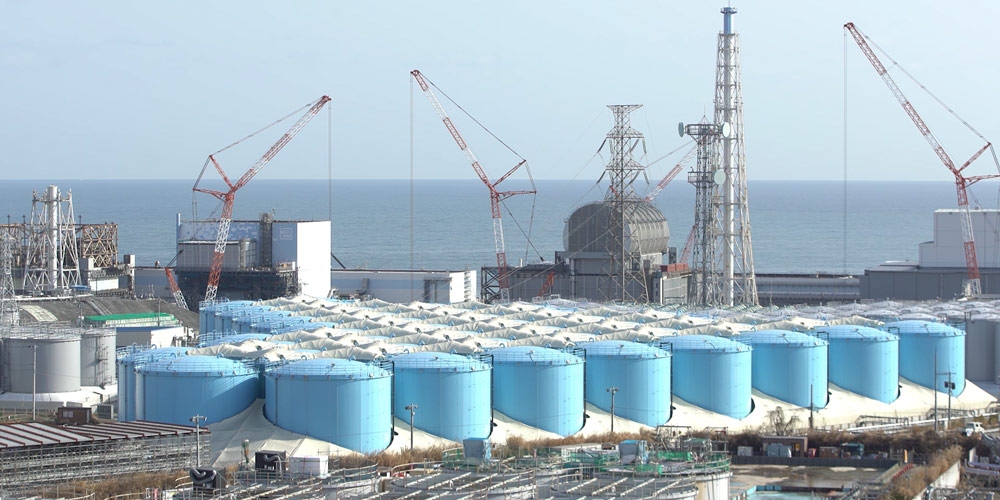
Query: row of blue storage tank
[(352, 404)]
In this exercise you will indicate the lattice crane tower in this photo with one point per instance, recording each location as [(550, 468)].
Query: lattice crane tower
[(9, 315), (629, 283), (705, 286), (53, 260), (734, 252)]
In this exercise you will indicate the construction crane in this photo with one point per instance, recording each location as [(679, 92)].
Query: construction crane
[(671, 174), (496, 196), (175, 289), (972, 286), (550, 280), (227, 197)]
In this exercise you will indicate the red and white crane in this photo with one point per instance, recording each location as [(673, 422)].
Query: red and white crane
[(671, 174), (496, 196), (227, 197), (973, 287)]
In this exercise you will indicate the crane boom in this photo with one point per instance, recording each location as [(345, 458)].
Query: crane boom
[(175, 289), (671, 174), (496, 196), (227, 197), (973, 288)]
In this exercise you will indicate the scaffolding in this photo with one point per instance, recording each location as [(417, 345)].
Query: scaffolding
[(34, 455), (98, 242)]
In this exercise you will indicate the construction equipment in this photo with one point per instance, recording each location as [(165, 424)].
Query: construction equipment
[(972, 286), (550, 280), (227, 197), (496, 196), (175, 289), (671, 174)]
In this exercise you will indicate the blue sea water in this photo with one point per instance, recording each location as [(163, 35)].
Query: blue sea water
[(797, 226)]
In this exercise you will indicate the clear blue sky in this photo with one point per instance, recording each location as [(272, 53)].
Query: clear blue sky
[(146, 90)]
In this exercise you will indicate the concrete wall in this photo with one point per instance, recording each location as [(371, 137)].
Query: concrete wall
[(445, 287)]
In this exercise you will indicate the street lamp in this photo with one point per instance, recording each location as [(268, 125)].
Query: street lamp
[(413, 409), (197, 419), (613, 391)]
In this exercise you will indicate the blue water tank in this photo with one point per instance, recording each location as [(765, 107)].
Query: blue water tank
[(244, 324), (790, 366), (451, 392), (127, 363), (540, 387), (639, 372), (228, 337), (344, 402), (711, 372), (919, 343), (863, 360), (208, 313), (174, 390)]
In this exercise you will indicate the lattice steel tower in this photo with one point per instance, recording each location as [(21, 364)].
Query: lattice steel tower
[(53, 263), (734, 252), (705, 286), (9, 315), (628, 283)]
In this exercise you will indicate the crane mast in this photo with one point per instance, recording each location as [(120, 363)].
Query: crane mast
[(227, 197), (496, 196), (671, 174), (973, 287)]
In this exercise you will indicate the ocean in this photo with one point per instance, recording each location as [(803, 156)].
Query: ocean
[(797, 226)]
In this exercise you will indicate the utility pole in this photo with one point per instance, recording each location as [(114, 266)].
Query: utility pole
[(413, 409), (34, 378), (613, 391), (197, 419)]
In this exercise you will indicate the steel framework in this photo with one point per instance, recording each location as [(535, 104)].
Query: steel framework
[(9, 315), (734, 252), (705, 286), (99, 242), (629, 281), (53, 263)]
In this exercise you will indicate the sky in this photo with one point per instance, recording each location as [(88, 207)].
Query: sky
[(147, 90)]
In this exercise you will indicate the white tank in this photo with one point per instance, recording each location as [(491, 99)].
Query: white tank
[(43, 364), (97, 357)]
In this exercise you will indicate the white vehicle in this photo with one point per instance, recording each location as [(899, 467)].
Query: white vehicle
[(972, 428)]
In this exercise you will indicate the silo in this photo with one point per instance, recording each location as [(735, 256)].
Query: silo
[(97, 357), (127, 363), (540, 387), (924, 345), (863, 360), (711, 372), (639, 372), (345, 402), (174, 390), (451, 394), (787, 365), (43, 363)]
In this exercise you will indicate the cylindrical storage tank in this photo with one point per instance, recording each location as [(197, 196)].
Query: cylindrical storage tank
[(207, 313), (127, 364), (920, 343), (711, 372), (980, 348), (43, 364), (863, 360), (451, 394), (97, 357), (787, 365), (174, 390), (640, 374), (344, 402), (540, 387)]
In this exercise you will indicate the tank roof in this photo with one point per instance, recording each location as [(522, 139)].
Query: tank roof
[(437, 361), (850, 332), (703, 343), (920, 327), (198, 366), (330, 369), (778, 337), (534, 354), (622, 349)]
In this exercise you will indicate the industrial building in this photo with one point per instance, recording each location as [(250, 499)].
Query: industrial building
[(265, 258)]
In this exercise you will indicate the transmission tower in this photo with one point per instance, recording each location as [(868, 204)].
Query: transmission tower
[(9, 315), (734, 251), (705, 286), (53, 263), (628, 283)]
